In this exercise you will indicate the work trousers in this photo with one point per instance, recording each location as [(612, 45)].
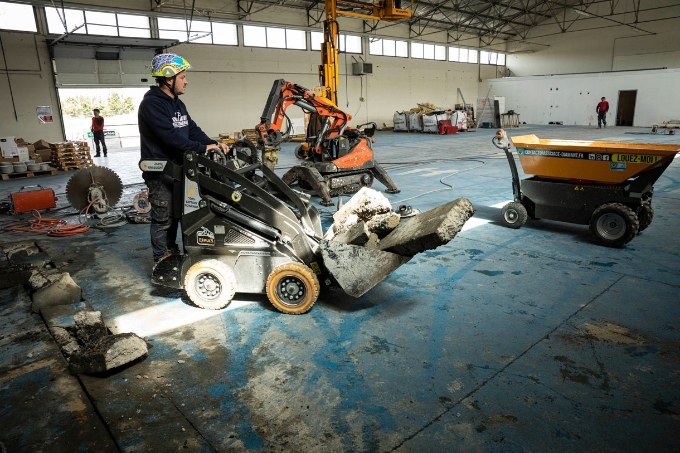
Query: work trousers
[(99, 137), (163, 224), (601, 118)]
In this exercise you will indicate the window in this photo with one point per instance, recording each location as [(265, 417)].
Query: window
[(276, 38), (348, 43), (493, 58), (428, 51), (17, 17), (199, 31), (462, 55), (97, 23), (388, 48)]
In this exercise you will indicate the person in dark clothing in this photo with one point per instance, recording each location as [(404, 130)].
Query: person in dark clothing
[(97, 129), (167, 131), (602, 109)]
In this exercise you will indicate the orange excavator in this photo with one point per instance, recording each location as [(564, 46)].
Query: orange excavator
[(339, 158)]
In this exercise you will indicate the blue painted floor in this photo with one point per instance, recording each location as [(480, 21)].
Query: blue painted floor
[(535, 339)]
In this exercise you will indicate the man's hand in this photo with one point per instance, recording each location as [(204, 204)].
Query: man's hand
[(221, 146)]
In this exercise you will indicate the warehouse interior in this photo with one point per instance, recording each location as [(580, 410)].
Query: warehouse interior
[(554, 332)]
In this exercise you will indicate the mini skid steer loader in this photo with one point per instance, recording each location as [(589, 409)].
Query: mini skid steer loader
[(244, 230)]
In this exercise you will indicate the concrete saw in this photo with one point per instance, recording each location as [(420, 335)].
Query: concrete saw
[(98, 186)]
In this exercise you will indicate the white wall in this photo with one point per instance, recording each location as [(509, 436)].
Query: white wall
[(572, 98), (29, 74)]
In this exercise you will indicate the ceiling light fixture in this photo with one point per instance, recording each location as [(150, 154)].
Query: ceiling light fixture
[(582, 13)]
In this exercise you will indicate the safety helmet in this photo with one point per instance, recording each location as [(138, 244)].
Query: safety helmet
[(168, 65)]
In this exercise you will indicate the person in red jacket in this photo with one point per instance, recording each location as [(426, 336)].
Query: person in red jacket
[(602, 109), (98, 131)]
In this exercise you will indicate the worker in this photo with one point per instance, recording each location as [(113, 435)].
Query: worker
[(166, 131), (97, 130), (602, 109)]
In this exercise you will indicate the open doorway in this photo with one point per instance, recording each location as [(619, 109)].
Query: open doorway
[(625, 111), (118, 106)]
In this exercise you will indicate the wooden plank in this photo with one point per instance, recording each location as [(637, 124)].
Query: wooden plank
[(27, 174)]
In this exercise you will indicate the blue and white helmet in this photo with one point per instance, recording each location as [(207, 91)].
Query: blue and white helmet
[(168, 65)]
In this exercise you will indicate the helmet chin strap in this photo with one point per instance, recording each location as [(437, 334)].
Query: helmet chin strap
[(171, 87)]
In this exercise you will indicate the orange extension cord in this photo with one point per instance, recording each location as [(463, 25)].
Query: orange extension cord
[(53, 227)]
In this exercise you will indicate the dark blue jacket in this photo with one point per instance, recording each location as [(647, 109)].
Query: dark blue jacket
[(166, 130)]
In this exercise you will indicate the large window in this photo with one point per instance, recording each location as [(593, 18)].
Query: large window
[(428, 51), (462, 55), (348, 43), (493, 58), (97, 23), (17, 17), (197, 31), (277, 38), (388, 48)]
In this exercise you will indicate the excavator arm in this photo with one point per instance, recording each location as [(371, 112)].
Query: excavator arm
[(284, 94)]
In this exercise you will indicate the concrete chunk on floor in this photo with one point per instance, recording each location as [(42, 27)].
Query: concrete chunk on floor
[(428, 230), (89, 326), (365, 204), (67, 342), (357, 234), (107, 353), (63, 291)]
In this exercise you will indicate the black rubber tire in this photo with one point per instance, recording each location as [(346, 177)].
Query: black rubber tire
[(514, 215), (220, 286), (614, 224), (292, 288), (645, 216), (299, 153)]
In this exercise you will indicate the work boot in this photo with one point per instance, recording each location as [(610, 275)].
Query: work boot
[(156, 261)]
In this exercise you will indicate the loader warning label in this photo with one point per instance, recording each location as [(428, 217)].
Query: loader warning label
[(635, 158), (563, 154)]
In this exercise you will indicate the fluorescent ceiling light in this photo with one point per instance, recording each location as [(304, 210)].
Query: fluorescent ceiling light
[(582, 13)]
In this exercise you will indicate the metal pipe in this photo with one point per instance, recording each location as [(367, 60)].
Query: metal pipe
[(9, 82)]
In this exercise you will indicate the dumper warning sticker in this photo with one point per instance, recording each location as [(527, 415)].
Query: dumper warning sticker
[(205, 237), (563, 154), (635, 158), (617, 166)]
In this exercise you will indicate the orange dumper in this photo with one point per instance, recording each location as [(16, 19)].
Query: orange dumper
[(606, 185)]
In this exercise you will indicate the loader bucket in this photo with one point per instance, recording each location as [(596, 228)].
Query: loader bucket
[(358, 269)]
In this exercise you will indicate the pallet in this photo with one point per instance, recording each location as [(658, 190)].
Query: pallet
[(27, 174), (74, 166)]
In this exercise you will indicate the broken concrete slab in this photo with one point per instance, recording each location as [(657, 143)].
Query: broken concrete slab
[(366, 203), (428, 230), (373, 242), (62, 315), (67, 342), (42, 278), (38, 260), (347, 223), (89, 326), (358, 269), (357, 234), (63, 291), (107, 353), (15, 275), (383, 224)]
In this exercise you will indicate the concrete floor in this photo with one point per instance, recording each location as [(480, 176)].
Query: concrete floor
[(535, 339)]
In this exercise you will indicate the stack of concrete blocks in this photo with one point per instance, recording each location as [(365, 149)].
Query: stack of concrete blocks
[(367, 220), (79, 331)]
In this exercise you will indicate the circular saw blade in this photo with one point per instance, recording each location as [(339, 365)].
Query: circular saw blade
[(78, 186)]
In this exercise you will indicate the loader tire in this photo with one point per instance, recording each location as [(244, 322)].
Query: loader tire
[(645, 216), (514, 215), (292, 288), (614, 224), (210, 284), (300, 153)]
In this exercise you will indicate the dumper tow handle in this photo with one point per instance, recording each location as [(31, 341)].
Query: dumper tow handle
[(501, 141)]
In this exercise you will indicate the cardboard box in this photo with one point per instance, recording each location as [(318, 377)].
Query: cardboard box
[(8, 145), (22, 153), (9, 159), (45, 154), (36, 158), (41, 144)]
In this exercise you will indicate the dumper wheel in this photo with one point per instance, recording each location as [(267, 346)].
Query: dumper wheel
[(514, 215), (300, 153), (210, 284), (614, 224), (645, 216), (292, 288)]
